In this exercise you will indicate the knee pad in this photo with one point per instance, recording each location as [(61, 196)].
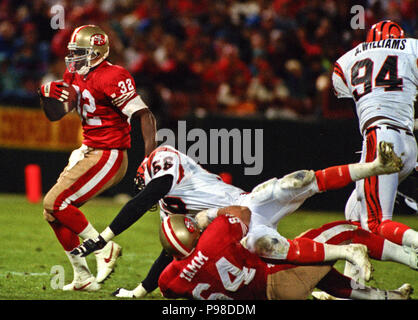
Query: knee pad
[(297, 179), (267, 243), (271, 247)]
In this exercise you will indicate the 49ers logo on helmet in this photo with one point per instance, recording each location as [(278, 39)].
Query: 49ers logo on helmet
[(98, 39), (189, 225)]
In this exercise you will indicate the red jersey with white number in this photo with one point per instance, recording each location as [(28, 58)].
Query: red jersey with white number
[(193, 188), (382, 78), (219, 267), (103, 94)]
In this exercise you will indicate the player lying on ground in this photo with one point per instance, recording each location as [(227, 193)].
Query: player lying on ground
[(168, 175), (335, 233), (207, 266)]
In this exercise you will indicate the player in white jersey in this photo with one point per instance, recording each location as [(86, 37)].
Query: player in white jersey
[(183, 187), (193, 188), (381, 75)]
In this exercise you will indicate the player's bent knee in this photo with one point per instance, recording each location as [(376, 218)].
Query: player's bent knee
[(271, 247), (48, 202), (48, 216), (266, 242), (297, 179), (48, 206)]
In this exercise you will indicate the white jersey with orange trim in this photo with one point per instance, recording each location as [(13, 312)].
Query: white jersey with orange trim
[(193, 189), (382, 78)]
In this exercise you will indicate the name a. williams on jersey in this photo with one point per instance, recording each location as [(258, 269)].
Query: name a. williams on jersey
[(387, 44)]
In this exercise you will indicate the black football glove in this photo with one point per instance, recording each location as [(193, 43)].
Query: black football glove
[(88, 246)]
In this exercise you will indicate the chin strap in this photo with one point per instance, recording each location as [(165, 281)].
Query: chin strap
[(85, 69)]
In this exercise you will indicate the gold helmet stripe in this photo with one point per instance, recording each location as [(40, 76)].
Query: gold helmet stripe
[(74, 36), (171, 237)]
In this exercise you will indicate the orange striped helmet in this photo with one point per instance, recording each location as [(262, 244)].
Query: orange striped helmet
[(385, 29)]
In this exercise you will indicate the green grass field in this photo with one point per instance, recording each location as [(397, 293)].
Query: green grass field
[(29, 250)]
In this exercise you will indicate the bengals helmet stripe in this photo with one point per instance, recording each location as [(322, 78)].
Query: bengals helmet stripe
[(385, 29)]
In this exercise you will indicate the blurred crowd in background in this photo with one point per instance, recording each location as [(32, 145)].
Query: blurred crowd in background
[(268, 58)]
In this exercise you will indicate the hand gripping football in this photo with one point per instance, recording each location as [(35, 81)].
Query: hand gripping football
[(55, 108)]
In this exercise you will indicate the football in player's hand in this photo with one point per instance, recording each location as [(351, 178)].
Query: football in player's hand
[(55, 108)]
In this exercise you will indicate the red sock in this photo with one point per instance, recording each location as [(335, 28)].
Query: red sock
[(373, 242), (303, 250), (72, 218), (68, 239), (333, 177), (393, 231), (336, 284)]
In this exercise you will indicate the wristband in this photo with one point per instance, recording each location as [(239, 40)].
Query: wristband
[(107, 234)]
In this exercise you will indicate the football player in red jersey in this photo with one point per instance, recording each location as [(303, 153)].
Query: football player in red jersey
[(107, 103), (269, 203), (210, 267)]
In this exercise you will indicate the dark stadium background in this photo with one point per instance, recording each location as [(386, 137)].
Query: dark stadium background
[(216, 64)]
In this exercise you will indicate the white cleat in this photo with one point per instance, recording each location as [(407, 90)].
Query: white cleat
[(90, 284), (123, 293), (106, 260), (388, 160), (360, 259), (138, 292), (322, 295), (402, 293)]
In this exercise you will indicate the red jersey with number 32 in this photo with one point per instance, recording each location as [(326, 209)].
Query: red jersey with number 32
[(103, 94), (219, 267)]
